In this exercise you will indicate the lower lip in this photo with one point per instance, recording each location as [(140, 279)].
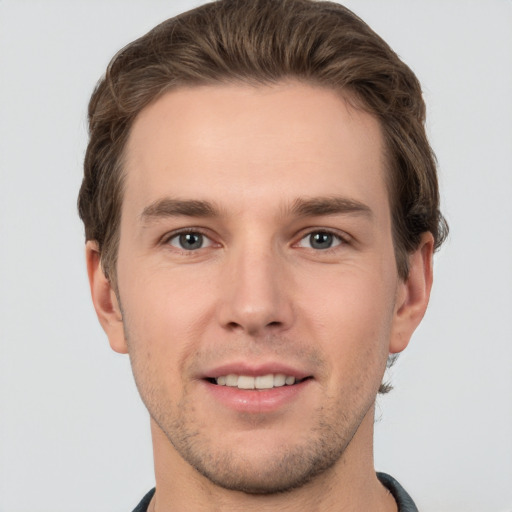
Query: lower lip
[(256, 401)]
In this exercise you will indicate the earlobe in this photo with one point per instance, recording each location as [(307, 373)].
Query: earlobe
[(105, 300), (413, 294)]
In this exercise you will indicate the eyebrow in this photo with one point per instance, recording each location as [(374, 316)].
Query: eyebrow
[(169, 207), (332, 205), (301, 207)]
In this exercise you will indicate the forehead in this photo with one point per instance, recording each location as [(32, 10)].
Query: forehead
[(245, 143)]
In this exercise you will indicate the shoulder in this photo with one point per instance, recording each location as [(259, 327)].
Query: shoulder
[(143, 505), (403, 500)]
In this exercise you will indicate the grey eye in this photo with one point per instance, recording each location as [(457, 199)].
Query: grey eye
[(190, 241), (320, 240)]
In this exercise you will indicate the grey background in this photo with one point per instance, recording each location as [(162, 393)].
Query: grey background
[(74, 436)]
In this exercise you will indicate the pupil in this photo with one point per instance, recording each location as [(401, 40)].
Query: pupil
[(321, 240), (191, 240)]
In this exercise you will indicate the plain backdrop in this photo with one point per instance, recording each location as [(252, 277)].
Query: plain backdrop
[(74, 436)]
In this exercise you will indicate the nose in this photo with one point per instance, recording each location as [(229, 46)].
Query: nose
[(256, 292)]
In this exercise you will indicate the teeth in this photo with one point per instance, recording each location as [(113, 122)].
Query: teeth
[(264, 382), (279, 380), (231, 380), (245, 382), (261, 382)]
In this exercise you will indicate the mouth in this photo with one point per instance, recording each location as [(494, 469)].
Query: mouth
[(257, 389), (258, 382)]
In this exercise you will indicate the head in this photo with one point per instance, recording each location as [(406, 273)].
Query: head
[(219, 117)]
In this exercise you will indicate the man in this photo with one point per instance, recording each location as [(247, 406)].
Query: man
[(261, 209)]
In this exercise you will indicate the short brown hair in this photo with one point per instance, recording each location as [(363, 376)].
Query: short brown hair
[(263, 42)]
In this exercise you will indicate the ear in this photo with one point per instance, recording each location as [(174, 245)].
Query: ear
[(105, 300), (413, 294)]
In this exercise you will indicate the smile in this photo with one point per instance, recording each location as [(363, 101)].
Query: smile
[(256, 390), (268, 381)]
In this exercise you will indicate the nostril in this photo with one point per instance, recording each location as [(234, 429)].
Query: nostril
[(254, 326), (233, 326)]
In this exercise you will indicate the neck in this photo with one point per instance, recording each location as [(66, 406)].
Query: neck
[(350, 485)]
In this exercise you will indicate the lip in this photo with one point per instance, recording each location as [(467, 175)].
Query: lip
[(253, 370), (255, 401)]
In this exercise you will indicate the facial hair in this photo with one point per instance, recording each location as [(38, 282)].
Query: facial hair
[(285, 467)]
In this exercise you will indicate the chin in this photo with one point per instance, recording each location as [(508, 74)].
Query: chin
[(275, 466)]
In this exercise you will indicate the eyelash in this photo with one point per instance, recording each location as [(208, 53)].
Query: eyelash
[(193, 231), (343, 239)]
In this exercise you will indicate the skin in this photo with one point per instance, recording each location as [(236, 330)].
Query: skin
[(260, 292)]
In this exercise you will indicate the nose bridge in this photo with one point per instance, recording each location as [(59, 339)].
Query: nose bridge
[(255, 298)]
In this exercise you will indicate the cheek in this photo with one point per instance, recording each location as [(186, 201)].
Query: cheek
[(350, 299), (350, 314), (162, 317)]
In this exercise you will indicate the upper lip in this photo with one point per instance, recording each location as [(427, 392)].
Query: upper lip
[(254, 370)]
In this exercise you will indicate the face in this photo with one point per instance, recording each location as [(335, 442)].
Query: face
[(258, 291)]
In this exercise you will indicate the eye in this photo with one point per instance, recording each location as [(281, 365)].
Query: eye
[(320, 240), (190, 241)]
